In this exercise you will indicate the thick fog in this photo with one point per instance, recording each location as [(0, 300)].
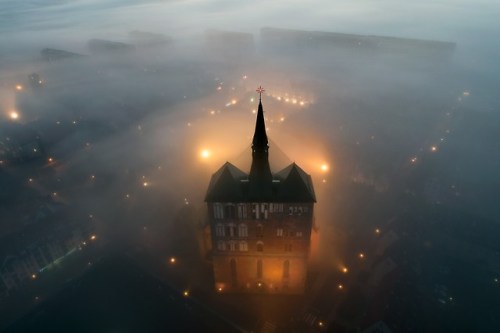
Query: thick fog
[(156, 95)]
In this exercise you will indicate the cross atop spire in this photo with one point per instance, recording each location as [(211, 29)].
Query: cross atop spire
[(260, 90), (260, 170)]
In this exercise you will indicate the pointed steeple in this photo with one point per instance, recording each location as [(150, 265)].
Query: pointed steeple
[(259, 142), (260, 172)]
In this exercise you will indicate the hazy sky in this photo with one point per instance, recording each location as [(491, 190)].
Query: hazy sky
[(353, 101)]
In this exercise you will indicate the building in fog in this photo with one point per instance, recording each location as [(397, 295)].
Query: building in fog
[(260, 223)]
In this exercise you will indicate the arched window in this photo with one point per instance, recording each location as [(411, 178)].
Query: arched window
[(286, 269), (259, 269), (230, 230), (234, 273), (229, 211), (260, 247), (218, 211), (219, 230), (242, 211), (243, 246), (221, 246), (259, 231), (243, 230)]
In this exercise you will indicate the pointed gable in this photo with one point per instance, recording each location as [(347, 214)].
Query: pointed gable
[(295, 185), (225, 184)]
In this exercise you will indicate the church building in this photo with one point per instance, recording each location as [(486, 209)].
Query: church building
[(260, 223)]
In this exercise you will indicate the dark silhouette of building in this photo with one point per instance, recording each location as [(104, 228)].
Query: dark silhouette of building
[(260, 223)]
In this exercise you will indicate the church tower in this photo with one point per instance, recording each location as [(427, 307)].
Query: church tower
[(260, 222)]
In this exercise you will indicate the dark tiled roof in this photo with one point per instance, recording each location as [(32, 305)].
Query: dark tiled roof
[(230, 184)]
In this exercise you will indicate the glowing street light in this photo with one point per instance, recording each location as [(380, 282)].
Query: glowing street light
[(172, 260), (19, 87), (361, 256), (324, 167), (340, 286), (205, 153), (186, 293), (14, 115), (377, 231), (344, 270), (434, 148)]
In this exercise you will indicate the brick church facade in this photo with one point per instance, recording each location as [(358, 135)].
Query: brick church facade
[(260, 223)]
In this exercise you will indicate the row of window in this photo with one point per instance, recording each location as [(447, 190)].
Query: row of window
[(243, 246), (231, 230), (280, 232), (258, 210), (234, 246)]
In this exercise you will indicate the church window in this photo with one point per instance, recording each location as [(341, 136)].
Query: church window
[(279, 232), (298, 234), (229, 211), (260, 247), (221, 246), (290, 210), (219, 230), (218, 211), (243, 230), (260, 231), (243, 246), (230, 230), (232, 246), (264, 210), (256, 211), (242, 211)]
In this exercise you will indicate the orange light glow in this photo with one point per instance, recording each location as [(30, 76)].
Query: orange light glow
[(14, 115), (340, 286), (344, 270), (434, 149), (205, 153), (172, 260), (186, 293), (361, 255), (324, 167), (377, 231), (93, 237), (19, 87)]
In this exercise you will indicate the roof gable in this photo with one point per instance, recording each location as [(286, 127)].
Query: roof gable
[(225, 184), (296, 185)]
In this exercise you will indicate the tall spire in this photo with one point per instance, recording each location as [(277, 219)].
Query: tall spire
[(260, 172), (259, 141)]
